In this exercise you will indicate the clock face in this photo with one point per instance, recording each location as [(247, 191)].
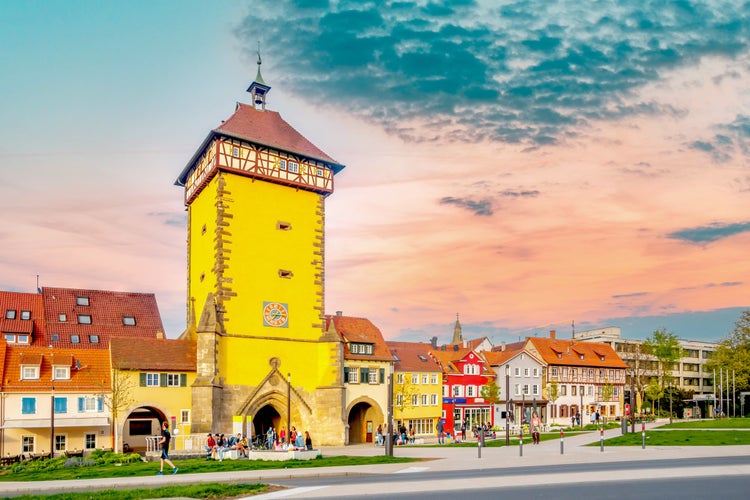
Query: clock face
[(275, 314)]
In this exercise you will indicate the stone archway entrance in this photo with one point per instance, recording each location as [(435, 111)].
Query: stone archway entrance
[(140, 423), (362, 419), (264, 419)]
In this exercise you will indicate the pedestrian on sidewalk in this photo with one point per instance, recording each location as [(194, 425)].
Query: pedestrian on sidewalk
[(165, 438)]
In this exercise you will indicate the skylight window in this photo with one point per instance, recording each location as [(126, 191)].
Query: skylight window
[(82, 301), (25, 314), (10, 314), (128, 320), (84, 319)]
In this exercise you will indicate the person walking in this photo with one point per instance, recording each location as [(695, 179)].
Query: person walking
[(164, 442), (440, 429)]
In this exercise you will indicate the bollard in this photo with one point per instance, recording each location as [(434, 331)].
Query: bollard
[(520, 443), (643, 435), (561, 442), (601, 439), (479, 447)]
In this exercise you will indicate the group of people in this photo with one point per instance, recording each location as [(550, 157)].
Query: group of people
[(218, 444), (296, 441)]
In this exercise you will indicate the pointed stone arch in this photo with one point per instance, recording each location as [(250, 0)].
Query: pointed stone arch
[(363, 415)]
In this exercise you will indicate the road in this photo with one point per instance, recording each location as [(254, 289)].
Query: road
[(704, 477)]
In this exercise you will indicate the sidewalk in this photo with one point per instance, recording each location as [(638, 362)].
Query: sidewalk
[(438, 459)]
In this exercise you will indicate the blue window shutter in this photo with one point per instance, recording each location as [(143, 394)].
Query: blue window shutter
[(81, 405), (28, 406), (61, 405), (100, 404)]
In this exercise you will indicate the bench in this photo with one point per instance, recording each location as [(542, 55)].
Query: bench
[(10, 460), (74, 453)]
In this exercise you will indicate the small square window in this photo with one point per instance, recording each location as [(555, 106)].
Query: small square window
[(82, 301), (10, 314), (152, 380), (30, 372), (61, 373), (284, 273), (84, 319), (94, 339), (23, 338), (75, 339), (62, 317), (55, 337), (25, 314), (128, 320), (10, 338)]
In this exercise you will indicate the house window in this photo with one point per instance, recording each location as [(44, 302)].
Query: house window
[(27, 444), (456, 391), (415, 399), (563, 390), (535, 389), (517, 389), (525, 372), (28, 406), (434, 378), (400, 400), (536, 372), (61, 373), (89, 404), (61, 405), (94, 339), (152, 380), (55, 337), (372, 377), (282, 164), (184, 416), (470, 391), (553, 371), (414, 378), (294, 167), (424, 378), (235, 152), (30, 372), (526, 389), (591, 390), (283, 226), (90, 441), (75, 339), (425, 398), (10, 314), (400, 378), (285, 273), (517, 371), (84, 319), (573, 390), (23, 338), (433, 399), (25, 314), (353, 376), (128, 320), (173, 380), (60, 442), (62, 317), (10, 338), (82, 301)]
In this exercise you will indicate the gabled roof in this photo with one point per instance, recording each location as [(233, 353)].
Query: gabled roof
[(18, 302), (449, 360), (360, 330), (154, 354), (413, 357), (106, 309), (467, 344), (93, 374), (263, 127), (570, 353)]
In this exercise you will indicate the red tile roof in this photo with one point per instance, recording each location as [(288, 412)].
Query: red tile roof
[(262, 127), (93, 374), (361, 330), (570, 353), (106, 309), (413, 357), (18, 302), (154, 354)]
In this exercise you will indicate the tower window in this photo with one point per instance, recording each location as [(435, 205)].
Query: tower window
[(283, 273), (283, 226)]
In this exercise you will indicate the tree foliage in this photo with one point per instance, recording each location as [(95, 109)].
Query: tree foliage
[(733, 354), (553, 391), (491, 392), (665, 347), (118, 398)]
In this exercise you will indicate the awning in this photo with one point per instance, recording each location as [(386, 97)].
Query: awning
[(59, 423)]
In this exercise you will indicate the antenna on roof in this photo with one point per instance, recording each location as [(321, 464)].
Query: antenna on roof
[(38, 290)]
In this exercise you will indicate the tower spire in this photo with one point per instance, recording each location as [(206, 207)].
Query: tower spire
[(258, 89), (458, 338)]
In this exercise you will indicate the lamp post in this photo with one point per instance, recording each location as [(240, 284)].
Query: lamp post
[(288, 405), (507, 405), (52, 425), (580, 411)]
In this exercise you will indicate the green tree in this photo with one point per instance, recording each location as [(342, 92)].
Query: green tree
[(490, 392), (654, 392), (665, 347), (607, 390), (118, 398), (733, 354)]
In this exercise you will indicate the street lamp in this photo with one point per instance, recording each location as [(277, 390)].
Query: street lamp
[(288, 405), (507, 405)]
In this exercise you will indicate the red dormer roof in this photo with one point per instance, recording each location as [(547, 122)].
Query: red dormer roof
[(413, 357), (110, 313), (362, 331), (19, 302), (567, 352)]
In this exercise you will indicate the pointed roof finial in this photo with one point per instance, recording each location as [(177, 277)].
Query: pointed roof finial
[(457, 334), (258, 89)]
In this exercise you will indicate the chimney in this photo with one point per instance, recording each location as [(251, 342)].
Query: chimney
[(433, 341), (552, 334), (339, 313), (502, 346), (441, 347), (455, 347)]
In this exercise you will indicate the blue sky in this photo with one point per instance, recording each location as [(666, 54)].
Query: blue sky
[(525, 164)]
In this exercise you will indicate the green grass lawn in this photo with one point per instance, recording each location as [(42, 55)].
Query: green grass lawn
[(722, 423), (681, 438), (55, 470), (208, 490)]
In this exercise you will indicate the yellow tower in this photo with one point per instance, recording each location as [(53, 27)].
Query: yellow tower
[(255, 194)]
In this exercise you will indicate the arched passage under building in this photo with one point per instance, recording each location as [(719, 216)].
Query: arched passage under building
[(364, 417), (140, 423), (264, 419)]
